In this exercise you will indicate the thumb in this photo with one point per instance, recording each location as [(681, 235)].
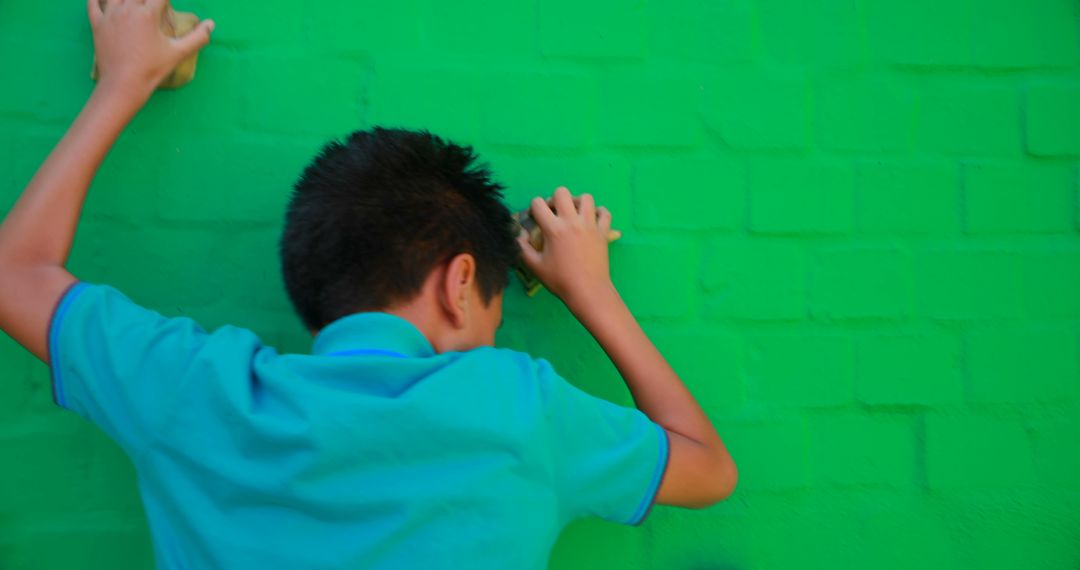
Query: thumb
[(194, 40), (528, 252)]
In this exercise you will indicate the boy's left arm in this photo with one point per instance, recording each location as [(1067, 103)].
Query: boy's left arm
[(133, 57)]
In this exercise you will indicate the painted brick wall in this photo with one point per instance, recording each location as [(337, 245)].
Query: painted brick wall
[(851, 225)]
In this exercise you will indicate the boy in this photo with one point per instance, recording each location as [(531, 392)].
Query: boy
[(406, 439)]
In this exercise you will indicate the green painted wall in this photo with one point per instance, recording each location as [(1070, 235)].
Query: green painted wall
[(851, 225)]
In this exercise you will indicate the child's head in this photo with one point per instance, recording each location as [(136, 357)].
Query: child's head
[(405, 222)]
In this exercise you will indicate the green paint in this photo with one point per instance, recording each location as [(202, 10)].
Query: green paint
[(851, 226)]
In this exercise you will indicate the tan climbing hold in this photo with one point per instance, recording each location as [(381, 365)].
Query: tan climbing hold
[(174, 24)]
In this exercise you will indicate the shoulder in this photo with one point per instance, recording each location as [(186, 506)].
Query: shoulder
[(534, 373), (130, 317), (522, 362)]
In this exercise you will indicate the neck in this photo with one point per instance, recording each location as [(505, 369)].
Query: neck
[(423, 317)]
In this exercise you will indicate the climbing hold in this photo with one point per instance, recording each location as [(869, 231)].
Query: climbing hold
[(174, 24), (536, 238)]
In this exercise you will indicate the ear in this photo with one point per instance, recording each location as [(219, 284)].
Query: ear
[(454, 289)]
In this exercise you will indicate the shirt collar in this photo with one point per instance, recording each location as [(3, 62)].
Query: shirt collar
[(372, 330)]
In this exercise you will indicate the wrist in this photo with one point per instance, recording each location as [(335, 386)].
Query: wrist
[(598, 298), (131, 92)]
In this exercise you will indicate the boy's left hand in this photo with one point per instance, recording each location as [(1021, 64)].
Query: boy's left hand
[(133, 54)]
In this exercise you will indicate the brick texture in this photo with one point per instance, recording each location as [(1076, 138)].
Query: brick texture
[(966, 452), (852, 227)]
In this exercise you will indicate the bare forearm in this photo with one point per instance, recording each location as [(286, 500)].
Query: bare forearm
[(656, 388), (40, 228)]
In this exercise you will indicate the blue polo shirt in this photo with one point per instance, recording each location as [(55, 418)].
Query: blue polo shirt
[(373, 451)]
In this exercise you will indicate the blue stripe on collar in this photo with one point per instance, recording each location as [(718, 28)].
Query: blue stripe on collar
[(366, 351)]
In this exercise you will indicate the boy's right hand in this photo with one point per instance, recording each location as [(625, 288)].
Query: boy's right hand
[(573, 263)]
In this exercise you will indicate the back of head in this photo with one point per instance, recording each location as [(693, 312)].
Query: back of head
[(372, 216)]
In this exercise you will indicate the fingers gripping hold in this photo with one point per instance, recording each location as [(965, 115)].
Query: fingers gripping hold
[(587, 207), (564, 202), (603, 220)]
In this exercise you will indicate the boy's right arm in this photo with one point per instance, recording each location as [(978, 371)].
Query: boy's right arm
[(574, 266)]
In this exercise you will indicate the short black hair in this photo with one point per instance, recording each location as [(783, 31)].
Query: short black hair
[(371, 217)]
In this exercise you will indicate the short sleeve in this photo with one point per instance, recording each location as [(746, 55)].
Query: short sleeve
[(116, 363), (608, 459)]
